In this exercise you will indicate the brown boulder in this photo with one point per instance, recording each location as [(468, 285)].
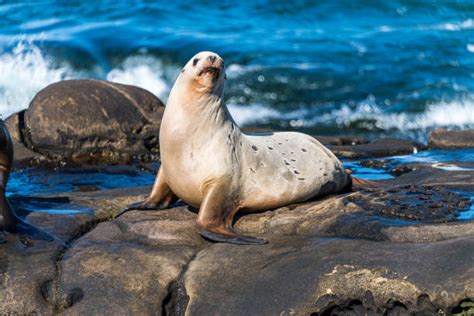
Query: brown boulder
[(84, 118), (443, 139), (382, 147)]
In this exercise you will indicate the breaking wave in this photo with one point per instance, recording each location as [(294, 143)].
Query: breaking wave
[(453, 114), (26, 70)]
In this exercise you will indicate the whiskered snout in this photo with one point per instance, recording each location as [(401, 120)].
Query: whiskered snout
[(211, 64), (210, 70)]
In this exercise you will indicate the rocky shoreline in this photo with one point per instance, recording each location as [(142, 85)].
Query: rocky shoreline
[(394, 251)]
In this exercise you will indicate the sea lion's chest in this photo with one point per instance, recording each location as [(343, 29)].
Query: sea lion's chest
[(192, 156)]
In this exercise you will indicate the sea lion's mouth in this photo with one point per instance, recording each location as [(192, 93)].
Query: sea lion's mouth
[(210, 70)]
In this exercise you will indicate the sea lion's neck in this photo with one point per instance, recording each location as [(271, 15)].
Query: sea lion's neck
[(194, 121), (188, 107)]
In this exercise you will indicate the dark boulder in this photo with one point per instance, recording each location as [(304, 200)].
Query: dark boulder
[(443, 139), (81, 119), (22, 154), (381, 147)]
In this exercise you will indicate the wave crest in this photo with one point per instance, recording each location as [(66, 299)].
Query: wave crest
[(368, 115), (24, 72), (142, 71)]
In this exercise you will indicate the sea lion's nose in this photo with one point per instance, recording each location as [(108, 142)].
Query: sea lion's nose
[(212, 58)]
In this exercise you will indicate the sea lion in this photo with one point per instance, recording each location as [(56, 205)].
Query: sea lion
[(207, 161), (9, 221)]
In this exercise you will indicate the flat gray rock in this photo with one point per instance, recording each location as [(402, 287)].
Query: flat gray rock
[(382, 147), (340, 255), (444, 139), (301, 276)]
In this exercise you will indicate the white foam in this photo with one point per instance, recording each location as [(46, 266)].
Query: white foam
[(459, 113), (252, 113), (361, 49), (24, 72), (450, 167), (236, 70), (457, 26), (385, 29), (470, 48), (142, 71), (28, 25)]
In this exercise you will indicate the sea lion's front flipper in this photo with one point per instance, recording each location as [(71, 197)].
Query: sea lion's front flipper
[(217, 210), (231, 238), (160, 197), (143, 206)]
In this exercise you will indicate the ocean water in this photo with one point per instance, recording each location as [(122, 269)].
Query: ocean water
[(371, 67)]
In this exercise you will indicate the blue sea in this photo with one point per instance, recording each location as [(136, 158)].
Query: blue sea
[(371, 67)]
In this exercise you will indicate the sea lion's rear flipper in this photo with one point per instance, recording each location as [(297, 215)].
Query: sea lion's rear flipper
[(231, 238), (361, 183)]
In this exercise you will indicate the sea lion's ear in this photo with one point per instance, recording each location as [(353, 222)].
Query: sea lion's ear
[(182, 70), (225, 76)]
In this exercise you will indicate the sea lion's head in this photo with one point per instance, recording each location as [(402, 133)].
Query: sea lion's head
[(205, 72)]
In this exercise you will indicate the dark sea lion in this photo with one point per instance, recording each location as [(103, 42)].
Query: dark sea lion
[(9, 221), (207, 162)]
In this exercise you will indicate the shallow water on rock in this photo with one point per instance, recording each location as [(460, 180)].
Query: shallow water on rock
[(24, 205), (47, 181), (447, 160), (469, 214), (26, 184), (367, 173)]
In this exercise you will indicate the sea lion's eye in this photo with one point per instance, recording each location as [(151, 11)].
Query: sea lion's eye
[(195, 61)]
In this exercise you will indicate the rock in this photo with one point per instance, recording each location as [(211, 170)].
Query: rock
[(412, 202), (23, 155), (126, 266), (325, 140), (443, 139), (375, 164), (88, 120), (341, 140), (382, 147), (343, 254), (331, 257), (23, 270), (301, 276), (398, 170), (460, 180), (13, 123), (28, 267)]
